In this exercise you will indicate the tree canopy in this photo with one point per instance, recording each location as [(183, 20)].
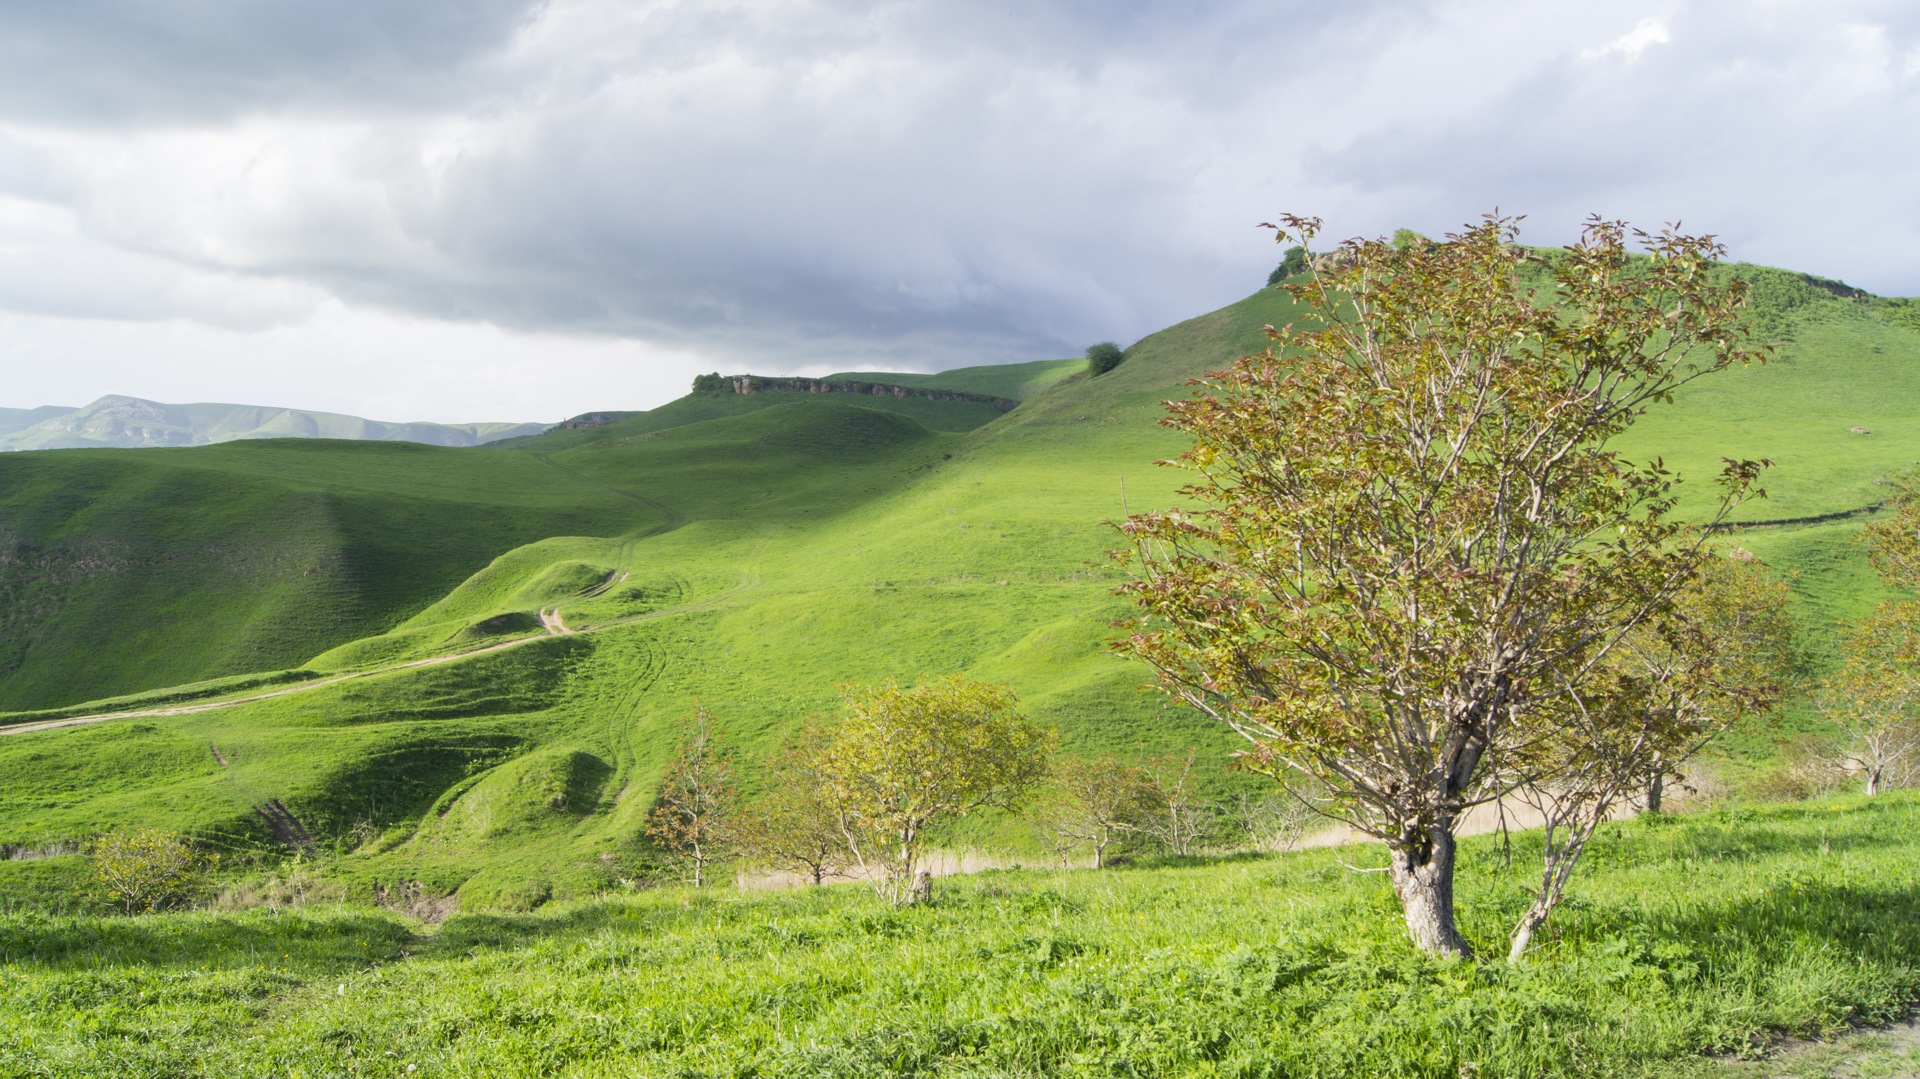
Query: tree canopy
[(695, 816), (1103, 357), (904, 761), (1409, 550), (1292, 264)]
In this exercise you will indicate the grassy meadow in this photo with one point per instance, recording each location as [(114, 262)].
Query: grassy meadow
[(1690, 942)]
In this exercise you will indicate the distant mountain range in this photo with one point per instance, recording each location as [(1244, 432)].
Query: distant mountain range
[(130, 423)]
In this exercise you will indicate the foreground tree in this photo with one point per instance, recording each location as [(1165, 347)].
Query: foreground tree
[(903, 762), (695, 818), (1412, 551)]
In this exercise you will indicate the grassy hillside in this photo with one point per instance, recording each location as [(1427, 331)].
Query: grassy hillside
[(752, 554), (168, 566), (1835, 411), (123, 570), (698, 407), (812, 543)]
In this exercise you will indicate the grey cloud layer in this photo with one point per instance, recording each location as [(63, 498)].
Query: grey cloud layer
[(782, 184), (125, 62)]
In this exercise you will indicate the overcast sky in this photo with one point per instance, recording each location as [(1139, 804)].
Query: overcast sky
[(513, 210)]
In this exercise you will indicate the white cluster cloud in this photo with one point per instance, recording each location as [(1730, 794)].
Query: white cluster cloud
[(805, 185), (1649, 31)]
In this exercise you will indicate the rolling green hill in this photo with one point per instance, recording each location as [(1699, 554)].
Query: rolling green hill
[(169, 566), (124, 570), (746, 552)]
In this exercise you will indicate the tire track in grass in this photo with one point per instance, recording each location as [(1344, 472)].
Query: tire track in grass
[(674, 519), (747, 580)]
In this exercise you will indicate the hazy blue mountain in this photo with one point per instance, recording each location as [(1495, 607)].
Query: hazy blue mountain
[(15, 419), (131, 423)]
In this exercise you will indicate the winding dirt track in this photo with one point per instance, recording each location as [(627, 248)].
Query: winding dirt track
[(549, 619), (212, 706)]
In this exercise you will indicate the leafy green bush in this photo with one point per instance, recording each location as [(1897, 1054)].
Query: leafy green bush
[(1103, 357), (145, 869), (1292, 264)]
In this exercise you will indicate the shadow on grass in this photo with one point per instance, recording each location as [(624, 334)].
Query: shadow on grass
[(1189, 861), (1843, 954), (323, 939)]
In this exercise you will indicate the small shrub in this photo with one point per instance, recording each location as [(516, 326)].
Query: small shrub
[(297, 886), (1103, 357), (416, 900), (1407, 240), (1704, 789), (1292, 264), (145, 869), (1803, 770)]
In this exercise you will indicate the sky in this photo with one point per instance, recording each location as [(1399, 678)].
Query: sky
[(469, 210)]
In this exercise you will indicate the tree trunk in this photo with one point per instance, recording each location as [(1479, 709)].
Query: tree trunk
[(1653, 791), (1873, 782), (1422, 877), (1523, 933)]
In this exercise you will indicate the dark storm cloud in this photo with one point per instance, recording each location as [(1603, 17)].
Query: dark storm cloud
[(118, 62), (781, 184), (798, 182)]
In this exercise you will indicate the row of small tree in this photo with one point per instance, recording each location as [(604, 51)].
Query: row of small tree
[(865, 796), (1105, 805), (861, 796)]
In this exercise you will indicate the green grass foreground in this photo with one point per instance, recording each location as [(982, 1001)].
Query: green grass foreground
[(1715, 933)]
